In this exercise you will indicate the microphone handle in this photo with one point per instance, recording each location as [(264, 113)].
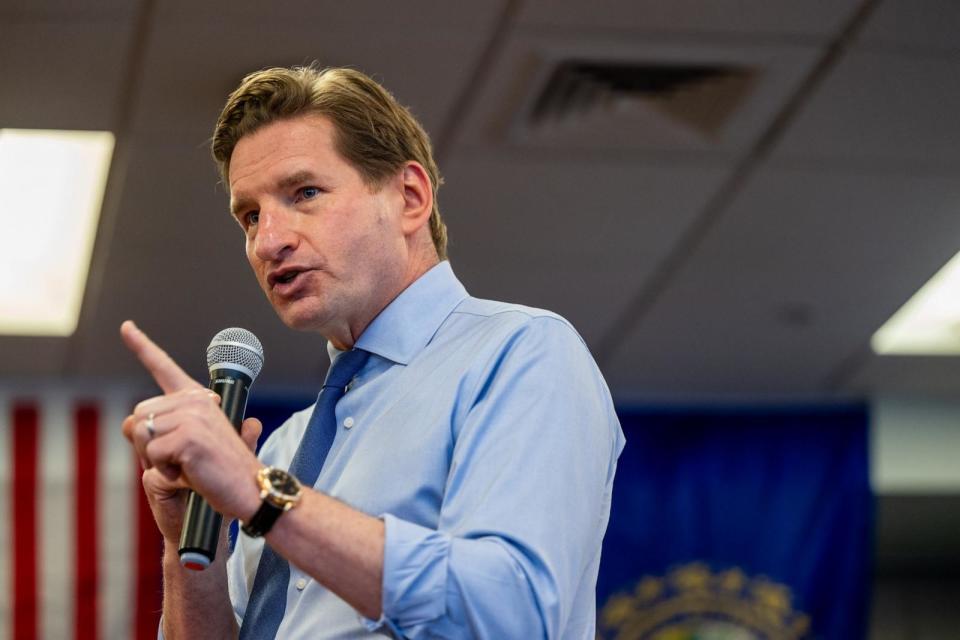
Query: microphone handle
[(201, 524)]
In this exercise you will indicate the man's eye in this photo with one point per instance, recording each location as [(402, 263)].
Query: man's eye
[(252, 218), (309, 192)]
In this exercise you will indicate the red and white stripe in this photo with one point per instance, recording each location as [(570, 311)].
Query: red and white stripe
[(80, 552)]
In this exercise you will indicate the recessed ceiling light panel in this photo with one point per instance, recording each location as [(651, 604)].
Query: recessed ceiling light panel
[(51, 191), (929, 323)]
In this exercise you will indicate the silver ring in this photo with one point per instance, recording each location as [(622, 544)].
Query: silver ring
[(149, 425)]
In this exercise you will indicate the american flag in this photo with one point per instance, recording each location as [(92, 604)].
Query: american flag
[(81, 554)]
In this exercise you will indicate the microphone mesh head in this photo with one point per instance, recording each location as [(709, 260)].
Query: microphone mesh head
[(235, 346)]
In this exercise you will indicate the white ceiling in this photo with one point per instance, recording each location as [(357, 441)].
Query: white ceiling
[(755, 262)]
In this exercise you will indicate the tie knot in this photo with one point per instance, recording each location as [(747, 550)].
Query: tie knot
[(345, 367)]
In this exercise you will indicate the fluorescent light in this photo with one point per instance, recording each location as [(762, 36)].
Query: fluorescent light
[(929, 323), (51, 189)]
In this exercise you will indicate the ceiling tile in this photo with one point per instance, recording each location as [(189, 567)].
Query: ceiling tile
[(26, 356), (882, 108), (916, 376), (192, 66), (810, 18), (791, 283), (922, 24), (63, 10), (371, 18), (75, 84), (574, 237)]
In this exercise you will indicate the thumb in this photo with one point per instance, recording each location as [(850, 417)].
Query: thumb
[(250, 432)]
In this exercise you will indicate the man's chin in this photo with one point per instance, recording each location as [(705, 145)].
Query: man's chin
[(299, 319), (299, 323)]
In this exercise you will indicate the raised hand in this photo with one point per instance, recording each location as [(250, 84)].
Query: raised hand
[(184, 440)]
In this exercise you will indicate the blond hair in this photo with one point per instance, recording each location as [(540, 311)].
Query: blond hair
[(374, 133)]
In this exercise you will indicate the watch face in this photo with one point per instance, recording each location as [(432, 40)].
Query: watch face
[(283, 483)]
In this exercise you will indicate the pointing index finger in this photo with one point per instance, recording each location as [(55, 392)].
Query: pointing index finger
[(167, 373)]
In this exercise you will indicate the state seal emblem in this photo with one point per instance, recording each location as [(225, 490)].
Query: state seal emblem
[(692, 603)]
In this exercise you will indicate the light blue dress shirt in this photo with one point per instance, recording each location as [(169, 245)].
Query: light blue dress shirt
[(484, 436)]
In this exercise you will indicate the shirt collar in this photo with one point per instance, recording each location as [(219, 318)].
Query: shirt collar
[(408, 323)]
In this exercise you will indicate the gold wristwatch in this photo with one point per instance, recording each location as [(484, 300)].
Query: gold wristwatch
[(280, 492)]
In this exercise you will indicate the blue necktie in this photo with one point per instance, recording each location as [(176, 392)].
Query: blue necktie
[(268, 598)]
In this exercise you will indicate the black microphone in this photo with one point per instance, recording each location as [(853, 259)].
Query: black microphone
[(234, 359)]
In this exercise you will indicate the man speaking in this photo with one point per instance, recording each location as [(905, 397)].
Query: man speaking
[(453, 479)]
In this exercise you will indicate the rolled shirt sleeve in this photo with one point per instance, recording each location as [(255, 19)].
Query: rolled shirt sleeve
[(525, 506)]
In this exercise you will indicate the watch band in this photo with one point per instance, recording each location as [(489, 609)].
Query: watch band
[(262, 520)]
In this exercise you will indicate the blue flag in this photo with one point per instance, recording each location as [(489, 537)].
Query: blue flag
[(739, 524)]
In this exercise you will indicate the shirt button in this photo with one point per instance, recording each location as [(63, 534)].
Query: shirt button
[(348, 422), (301, 584)]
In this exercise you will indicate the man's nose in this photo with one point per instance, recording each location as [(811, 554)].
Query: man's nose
[(275, 235)]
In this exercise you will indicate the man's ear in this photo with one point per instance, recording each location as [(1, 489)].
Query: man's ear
[(417, 197)]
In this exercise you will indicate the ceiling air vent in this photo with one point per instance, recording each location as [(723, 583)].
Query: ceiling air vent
[(696, 98)]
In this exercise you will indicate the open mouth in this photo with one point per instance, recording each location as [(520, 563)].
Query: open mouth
[(284, 278), (287, 277)]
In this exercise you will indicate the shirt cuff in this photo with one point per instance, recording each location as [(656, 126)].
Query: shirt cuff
[(382, 625), (414, 586)]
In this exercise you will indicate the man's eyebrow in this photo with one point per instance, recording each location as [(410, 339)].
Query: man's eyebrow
[(241, 203), (298, 177)]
